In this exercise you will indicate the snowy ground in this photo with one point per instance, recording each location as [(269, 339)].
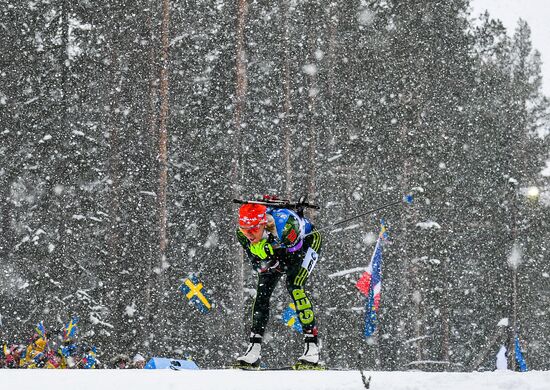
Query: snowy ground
[(267, 380)]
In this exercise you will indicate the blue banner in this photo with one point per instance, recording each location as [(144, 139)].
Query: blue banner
[(157, 363)]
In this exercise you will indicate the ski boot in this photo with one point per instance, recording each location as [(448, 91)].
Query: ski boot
[(310, 358), (251, 357)]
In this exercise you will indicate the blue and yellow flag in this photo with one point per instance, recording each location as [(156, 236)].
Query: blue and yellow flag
[(40, 329), (290, 318), (70, 329), (192, 289), (90, 359)]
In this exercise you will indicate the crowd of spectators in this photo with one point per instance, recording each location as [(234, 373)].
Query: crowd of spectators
[(61, 351)]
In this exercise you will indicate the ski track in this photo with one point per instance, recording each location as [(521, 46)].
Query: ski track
[(268, 380)]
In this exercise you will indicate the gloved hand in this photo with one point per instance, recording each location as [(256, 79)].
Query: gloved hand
[(259, 249), (271, 265)]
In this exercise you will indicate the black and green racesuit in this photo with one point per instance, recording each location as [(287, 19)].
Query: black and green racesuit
[(290, 263)]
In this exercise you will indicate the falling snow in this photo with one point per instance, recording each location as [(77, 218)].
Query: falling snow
[(128, 128)]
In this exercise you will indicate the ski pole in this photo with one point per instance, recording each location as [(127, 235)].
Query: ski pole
[(407, 199), (283, 203)]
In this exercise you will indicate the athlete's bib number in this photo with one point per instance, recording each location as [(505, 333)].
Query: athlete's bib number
[(310, 260)]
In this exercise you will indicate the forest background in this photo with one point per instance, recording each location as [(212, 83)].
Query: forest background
[(128, 126)]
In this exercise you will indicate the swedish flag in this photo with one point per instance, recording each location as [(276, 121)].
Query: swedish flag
[(70, 329), (192, 289), (40, 329), (290, 318)]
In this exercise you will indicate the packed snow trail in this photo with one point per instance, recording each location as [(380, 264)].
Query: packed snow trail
[(267, 380)]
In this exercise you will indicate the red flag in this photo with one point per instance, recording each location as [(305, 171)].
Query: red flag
[(363, 284)]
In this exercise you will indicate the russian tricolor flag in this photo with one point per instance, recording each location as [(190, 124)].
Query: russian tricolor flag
[(370, 284)]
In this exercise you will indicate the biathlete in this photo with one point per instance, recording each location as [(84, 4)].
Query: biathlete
[(279, 242)]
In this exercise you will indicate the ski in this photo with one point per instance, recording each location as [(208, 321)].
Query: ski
[(302, 367), (299, 367), (296, 367)]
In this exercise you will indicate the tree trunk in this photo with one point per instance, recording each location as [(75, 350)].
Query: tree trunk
[(163, 132), (333, 28), (313, 90), (445, 315), (241, 85), (287, 133), (151, 294), (240, 99), (163, 152), (114, 237), (514, 328)]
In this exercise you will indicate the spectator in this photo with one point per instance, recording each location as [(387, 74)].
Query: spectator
[(2, 357), (120, 361), (138, 361), (35, 356), (13, 355)]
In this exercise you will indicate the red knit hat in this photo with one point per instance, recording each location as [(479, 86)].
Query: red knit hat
[(251, 215)]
